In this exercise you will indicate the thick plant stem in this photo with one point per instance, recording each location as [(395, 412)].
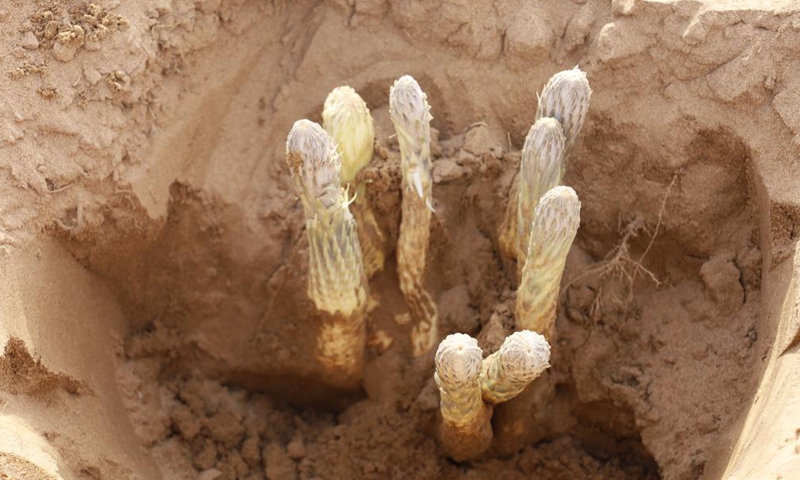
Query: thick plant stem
[(334, 262), (466, 419), (336, 280), (410, 113), (521, 359), (412, 249), (556, 223), (348, 121), (542, 169), (340, 346)]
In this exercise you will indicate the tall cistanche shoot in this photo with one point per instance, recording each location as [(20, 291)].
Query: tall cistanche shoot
[(410, 113), (336, 281), (541, 169), (566, 97), (348, 121)]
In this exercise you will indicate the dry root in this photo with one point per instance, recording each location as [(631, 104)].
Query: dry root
[(618, 262)]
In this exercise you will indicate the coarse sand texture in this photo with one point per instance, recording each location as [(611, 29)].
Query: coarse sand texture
[(388, 239)]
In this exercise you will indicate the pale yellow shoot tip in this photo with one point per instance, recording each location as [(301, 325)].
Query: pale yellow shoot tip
[(347, 119)]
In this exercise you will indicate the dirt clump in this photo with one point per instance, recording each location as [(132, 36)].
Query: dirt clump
[(22, 374), (226, 433)]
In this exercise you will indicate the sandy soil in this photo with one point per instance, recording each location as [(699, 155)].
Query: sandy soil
[(154, 317)]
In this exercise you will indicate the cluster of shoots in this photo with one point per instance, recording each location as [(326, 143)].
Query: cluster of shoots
[(345, 249), (543, 216), (471, 385), (346, 245), (540, 225)]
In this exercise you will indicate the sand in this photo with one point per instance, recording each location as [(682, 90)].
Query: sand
[(154, 322)]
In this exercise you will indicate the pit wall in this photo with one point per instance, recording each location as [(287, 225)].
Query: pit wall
[(162, 175), (767, 440), (62, 414)]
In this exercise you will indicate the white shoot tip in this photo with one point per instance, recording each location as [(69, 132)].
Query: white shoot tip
[(525, 354), (558, 210), (574, 72), (565, 97), (308, 145), (546, 127), (545, 143), (407, 101), (312, 160), (458, 358)]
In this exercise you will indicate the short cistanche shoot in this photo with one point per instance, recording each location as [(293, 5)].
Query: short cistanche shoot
[(521, 359), (458, 369), (466, 428)]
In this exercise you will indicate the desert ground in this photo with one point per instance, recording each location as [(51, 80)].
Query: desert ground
[(154, 317)]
